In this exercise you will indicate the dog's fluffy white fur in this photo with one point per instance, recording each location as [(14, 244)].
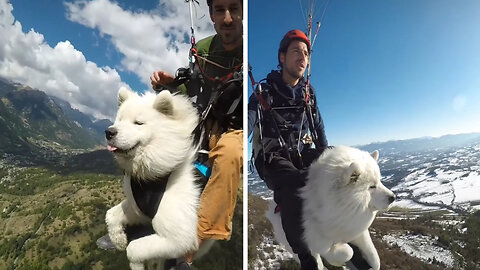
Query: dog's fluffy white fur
[(152, 137), (341, 198)]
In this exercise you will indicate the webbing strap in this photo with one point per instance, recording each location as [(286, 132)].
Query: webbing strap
[(223, 79), (258, 95), (148, 193)]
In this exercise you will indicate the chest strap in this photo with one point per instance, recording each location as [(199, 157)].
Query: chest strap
[(148, 193)]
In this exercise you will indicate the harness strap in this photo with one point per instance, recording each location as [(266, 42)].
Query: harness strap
[(213, 99), (223, 79), (148, 193), (258, 95), (309, 110), (234, 105)]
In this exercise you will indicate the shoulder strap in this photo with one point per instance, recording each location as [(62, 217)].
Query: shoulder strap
[(258, 94), (311, 109)]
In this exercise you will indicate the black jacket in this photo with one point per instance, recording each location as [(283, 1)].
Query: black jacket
[(288, 102)]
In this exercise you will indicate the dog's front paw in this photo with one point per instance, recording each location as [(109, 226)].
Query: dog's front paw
[(319, 262), (135, 252), (137, 266), (339, 254), (372, 259), (119, 239), (375, 265)]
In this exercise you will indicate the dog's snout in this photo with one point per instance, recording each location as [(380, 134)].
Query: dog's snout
[(110, 133), (391, 198)]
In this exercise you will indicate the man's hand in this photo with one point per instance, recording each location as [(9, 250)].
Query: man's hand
[(161, 78)]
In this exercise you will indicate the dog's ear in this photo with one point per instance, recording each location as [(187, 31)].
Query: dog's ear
[(353, 172), (123, 95), (164, 102), (375, 155)]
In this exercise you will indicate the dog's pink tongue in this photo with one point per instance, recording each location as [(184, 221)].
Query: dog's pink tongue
[(111, 148)]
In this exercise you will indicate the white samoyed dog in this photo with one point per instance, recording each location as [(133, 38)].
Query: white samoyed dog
[(341, 198), (151, 140)]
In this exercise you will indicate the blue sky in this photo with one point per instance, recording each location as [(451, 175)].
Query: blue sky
[(84, 51), (382, 70), (49, 18)]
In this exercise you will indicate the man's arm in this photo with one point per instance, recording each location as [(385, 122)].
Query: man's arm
[(164, 79), (161, 78)]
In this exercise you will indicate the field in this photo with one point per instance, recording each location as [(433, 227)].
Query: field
[(51, 219)]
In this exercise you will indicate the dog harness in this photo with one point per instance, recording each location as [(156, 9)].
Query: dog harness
[(148, 193)]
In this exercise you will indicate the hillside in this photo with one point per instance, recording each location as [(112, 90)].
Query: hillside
[(95, 128), (32, 122), (51, 219), (405, 239)]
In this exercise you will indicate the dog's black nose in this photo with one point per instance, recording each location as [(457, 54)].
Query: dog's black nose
[(110, 133), (391, 198)]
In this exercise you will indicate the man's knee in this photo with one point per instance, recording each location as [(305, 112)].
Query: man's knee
[(229, 148)]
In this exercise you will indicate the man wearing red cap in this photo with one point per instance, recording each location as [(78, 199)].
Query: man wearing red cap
[(283, 154)]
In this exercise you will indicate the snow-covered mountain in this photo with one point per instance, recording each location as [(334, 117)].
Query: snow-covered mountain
[(444, 174), (437, 183), (447, 176)]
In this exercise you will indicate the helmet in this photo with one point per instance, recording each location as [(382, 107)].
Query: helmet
[(289, 37), (293, 35)]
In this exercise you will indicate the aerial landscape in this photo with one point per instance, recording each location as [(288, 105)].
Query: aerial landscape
[(433, 224), (57, 180)]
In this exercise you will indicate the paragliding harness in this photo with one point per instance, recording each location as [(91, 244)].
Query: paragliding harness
[(209, 111), (290, 150), (195, 76)]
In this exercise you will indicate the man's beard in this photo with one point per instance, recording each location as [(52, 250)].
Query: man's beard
[(230, 37), (294, 74)]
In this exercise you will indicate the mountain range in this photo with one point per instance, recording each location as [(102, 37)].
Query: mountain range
[(439, 172), (436, 217), (429, 171), (32, 122)]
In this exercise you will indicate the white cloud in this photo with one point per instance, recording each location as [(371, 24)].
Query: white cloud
[(61, 71), (149, 40)]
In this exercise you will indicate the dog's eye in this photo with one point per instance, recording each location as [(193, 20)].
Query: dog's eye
[(373, 186), (138, 123)]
